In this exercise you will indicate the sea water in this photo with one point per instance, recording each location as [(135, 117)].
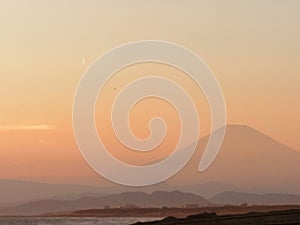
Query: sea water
[(70, 221)]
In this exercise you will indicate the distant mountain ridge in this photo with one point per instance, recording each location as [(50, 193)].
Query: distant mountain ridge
[(144, 200), (140, 199), (237, 198)]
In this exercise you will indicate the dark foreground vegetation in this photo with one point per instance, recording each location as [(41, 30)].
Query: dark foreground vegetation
[(287, 217)]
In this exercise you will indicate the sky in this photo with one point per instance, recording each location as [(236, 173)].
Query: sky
[(253, 48)]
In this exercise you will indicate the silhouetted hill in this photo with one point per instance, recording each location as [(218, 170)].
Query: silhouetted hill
[(237, 198)]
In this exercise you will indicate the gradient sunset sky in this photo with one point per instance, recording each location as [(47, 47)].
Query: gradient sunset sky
[(253, 48)]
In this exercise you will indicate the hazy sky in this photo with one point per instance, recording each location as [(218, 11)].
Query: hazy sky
[(253, 47)]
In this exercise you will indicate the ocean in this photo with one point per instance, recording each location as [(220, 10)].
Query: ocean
[(69, 221)]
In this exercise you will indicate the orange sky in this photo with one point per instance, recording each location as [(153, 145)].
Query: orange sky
[(252, 47)]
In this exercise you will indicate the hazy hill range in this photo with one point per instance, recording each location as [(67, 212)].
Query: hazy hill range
[(237, 198), (141, 199), (249, 160), (16, 192), (144, 200)]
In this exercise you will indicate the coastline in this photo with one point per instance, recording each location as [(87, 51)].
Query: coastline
[(166, 212)]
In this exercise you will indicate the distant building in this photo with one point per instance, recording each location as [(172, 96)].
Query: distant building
[(244, 205), (191, 206)]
